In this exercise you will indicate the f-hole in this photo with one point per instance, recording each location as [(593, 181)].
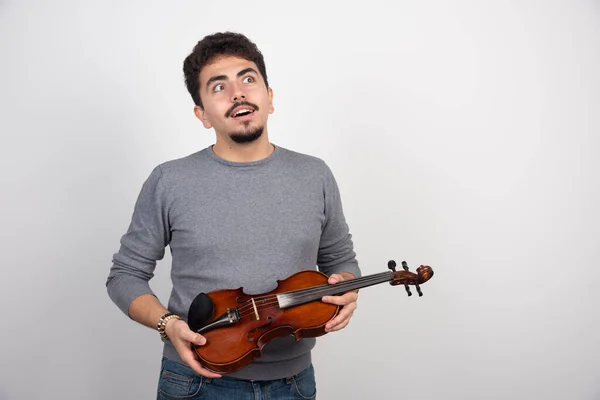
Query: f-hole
[(270, 319)]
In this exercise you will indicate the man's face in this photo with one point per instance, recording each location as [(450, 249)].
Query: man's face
[(236, 101)]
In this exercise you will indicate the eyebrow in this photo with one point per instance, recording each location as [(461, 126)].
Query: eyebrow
[(224, 77)]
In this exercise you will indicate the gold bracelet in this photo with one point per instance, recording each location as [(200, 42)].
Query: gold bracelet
[(162, 323)]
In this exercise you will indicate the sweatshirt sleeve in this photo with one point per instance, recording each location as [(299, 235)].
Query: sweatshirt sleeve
[(336, 249), (142, 245)]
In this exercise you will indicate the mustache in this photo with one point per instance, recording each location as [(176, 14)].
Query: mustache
[(241, 103)]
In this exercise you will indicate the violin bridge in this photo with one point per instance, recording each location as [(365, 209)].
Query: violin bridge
[(255, 310)]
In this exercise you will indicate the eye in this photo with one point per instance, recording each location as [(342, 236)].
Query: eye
[(218, 88), (248, 79)]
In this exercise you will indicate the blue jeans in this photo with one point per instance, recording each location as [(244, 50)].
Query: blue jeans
[(178, 381)]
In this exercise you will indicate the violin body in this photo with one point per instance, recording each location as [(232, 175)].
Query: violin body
[(230, 348), (237, 325)]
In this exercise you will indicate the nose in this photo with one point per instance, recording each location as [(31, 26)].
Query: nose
[(238, 94)]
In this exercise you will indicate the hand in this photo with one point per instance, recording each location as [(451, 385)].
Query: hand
[(182, 337), (347, 301)]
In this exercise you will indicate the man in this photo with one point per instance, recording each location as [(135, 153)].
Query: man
[(240, 213)]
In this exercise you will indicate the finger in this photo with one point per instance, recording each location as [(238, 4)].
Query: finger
[(344, 314), (338, 322), (190, 358), (335, 278), (197, 367), (343, 300), (186, 337), (340, 326), (193, 337)]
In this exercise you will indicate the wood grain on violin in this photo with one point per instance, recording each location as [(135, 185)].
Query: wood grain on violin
[(237, 325)]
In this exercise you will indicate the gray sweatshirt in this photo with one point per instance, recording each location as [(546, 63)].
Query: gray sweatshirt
[(230, 225)]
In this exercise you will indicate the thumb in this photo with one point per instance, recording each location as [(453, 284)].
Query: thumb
[(194, 337)]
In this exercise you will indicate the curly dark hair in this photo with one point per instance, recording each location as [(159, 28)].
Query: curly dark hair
[(214, 45)]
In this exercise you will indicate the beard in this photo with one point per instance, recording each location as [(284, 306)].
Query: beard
[(247, 136)]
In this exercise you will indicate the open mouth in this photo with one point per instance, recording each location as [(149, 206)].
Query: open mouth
[(242, 112)]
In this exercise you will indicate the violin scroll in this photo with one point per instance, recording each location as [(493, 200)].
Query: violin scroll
[(406, 278), (425, 273)]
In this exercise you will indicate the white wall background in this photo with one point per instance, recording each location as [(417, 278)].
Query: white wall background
[(463, 135)]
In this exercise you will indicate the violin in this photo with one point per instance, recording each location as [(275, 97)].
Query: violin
[(237, 325)]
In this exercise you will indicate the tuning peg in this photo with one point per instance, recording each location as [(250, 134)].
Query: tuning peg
[(392, 265), (405, 266)]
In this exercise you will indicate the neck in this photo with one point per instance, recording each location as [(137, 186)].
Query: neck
[(243, 152), (302, 296)]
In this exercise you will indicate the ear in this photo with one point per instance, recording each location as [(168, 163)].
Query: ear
[(201, 115), (271, 107)]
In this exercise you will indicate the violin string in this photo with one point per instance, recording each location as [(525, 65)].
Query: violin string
[(323, 290), (300, 295), (310, 294), (325, 287), (261, 307), (249, 307)]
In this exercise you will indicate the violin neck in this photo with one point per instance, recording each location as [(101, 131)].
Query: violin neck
[(302, 296)]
